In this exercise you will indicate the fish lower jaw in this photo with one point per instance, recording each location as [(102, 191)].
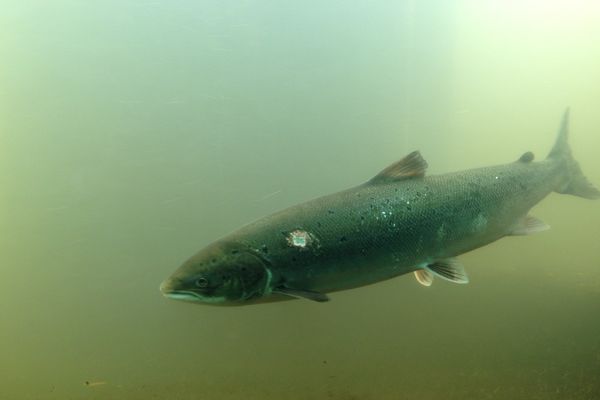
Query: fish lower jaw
[(193, 297)]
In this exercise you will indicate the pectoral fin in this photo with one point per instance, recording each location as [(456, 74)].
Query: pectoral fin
[(529, 225), (302, 294), (449, 269)]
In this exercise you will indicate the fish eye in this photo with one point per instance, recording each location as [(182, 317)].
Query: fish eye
[(202, 282)]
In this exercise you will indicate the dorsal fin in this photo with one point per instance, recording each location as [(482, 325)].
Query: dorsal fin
[(526, 157), (411, 166)]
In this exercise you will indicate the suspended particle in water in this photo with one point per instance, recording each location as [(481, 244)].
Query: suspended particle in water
[(94, 383)]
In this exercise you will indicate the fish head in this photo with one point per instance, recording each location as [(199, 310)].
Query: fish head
[(220, 274)]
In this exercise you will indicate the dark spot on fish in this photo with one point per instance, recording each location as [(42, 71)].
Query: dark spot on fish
[(408, 208), (343, 239), (264, 248), (372, 198), (214, 260), (234, 251), (362, 217), (331, 211), (319, 224)]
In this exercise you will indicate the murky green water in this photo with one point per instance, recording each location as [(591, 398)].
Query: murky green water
[(132, 133)]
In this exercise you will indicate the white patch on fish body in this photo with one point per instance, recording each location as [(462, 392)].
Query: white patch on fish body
[(302, 240), (298, 238)]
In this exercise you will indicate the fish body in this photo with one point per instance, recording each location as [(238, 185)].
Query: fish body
[(400, 221)]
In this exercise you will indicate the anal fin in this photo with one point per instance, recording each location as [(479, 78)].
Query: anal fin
[(529, 225)]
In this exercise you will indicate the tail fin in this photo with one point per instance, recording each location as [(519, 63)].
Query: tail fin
[(575, 183)]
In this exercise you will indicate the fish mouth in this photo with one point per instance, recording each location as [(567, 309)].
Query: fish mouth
[(169, 289), (183, 295), (189, 296)]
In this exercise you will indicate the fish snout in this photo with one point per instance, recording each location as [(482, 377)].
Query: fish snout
[(169, 286)]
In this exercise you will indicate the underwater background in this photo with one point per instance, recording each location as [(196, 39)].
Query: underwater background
[(133, 133)]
